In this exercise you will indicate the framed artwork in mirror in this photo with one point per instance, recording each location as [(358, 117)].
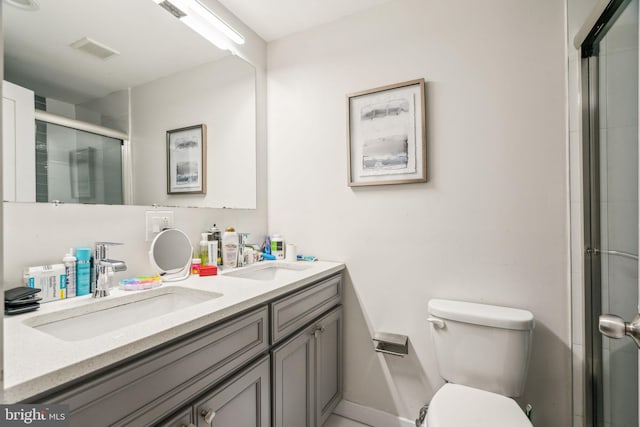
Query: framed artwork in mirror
[(186, 160), (386, 135)]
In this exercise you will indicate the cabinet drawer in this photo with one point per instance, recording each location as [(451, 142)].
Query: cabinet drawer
[(294, 311), (181, 419), (150, 388)]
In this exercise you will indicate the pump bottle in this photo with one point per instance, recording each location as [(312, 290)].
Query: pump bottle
[(230, 245), (69, 262), (204, 249)]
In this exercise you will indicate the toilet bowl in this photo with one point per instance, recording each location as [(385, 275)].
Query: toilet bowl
[(457, 405), (482, 353)]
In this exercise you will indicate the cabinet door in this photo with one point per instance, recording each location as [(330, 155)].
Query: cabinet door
[(307, 373), (18, 144), (241, 401), (294, 381), (328, 364)]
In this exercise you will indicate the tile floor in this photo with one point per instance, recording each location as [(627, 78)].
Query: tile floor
[(338, 421)]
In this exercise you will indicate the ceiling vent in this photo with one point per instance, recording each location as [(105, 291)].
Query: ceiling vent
[(172, 9), (94, 48)]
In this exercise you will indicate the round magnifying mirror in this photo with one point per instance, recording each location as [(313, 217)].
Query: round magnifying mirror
[(171, 254)]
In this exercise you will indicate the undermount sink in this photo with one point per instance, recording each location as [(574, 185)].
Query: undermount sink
[(268, 271), (112, 313)]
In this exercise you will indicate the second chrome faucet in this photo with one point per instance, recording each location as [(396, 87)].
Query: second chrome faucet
[(105, 268)]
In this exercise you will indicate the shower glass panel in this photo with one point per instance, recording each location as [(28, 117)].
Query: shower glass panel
[(613, 234), (74, 166)]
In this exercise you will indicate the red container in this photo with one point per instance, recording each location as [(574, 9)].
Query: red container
[(208, 270)]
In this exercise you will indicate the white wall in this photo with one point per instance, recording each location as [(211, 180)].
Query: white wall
[(491, 223), (221, 95), (111, 111)]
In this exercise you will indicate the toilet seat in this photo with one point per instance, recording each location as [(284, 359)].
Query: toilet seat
[(456, 405)]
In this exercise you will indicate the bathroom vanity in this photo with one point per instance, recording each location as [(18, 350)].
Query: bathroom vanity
[(265, 350)]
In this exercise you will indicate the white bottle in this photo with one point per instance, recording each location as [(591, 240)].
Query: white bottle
[(213, 252), (230, 245), (69, 262)]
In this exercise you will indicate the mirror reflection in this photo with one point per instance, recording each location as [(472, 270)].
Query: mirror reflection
[(124, 72)]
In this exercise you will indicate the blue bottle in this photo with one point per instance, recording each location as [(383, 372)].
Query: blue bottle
[(83, 271)]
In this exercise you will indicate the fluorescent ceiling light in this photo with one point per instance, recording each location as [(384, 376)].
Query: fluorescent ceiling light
[(203, 21), (24, 4)]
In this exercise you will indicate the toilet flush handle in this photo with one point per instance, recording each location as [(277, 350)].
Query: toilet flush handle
[(437, 323)]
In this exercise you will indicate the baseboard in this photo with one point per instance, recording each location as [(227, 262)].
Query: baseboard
[(369, 416)]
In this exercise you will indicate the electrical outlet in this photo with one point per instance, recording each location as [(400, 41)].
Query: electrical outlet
[(156, 221)]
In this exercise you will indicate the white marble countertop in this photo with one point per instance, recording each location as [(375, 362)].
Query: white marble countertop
[(36, 361)]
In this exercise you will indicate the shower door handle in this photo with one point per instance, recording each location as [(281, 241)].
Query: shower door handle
[(615, 327)]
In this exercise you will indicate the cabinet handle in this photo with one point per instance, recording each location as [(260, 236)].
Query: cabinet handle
[(317, 331), (208, 415)]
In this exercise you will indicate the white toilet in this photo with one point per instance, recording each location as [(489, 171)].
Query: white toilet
[(483, 353)]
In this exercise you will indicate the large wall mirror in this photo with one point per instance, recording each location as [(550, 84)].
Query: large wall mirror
[(132, 70)]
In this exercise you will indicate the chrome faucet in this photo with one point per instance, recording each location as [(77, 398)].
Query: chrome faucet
[(105, 268)]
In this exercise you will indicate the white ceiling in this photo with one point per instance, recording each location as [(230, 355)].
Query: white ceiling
[(151, 42), (273, 19)]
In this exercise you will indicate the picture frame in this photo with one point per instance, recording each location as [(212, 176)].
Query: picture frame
[(187, 160), (386, 135)]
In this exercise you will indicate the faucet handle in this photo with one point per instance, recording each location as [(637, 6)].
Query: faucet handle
[(101, 248), (109, 243)]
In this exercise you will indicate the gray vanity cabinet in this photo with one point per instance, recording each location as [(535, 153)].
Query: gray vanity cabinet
[(307, 373), (279, 363)]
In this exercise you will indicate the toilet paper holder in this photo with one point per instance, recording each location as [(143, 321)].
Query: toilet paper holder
[(394, 344)]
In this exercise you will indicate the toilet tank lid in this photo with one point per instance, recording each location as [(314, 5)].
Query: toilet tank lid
[(482, 314)]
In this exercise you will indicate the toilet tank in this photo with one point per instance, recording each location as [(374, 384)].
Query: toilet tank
[(482, 346)]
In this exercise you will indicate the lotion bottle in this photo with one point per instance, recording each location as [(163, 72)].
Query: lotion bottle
[(69, 262), (230, 244)]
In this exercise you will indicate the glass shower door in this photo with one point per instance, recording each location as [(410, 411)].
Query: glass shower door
[(75, 166), (618, 112), (611, 215)]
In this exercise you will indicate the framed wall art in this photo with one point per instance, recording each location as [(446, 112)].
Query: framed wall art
[(386, 135), (186, 160)]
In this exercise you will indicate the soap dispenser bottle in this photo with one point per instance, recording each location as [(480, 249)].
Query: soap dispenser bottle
[(204, 249), (230, 244)]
